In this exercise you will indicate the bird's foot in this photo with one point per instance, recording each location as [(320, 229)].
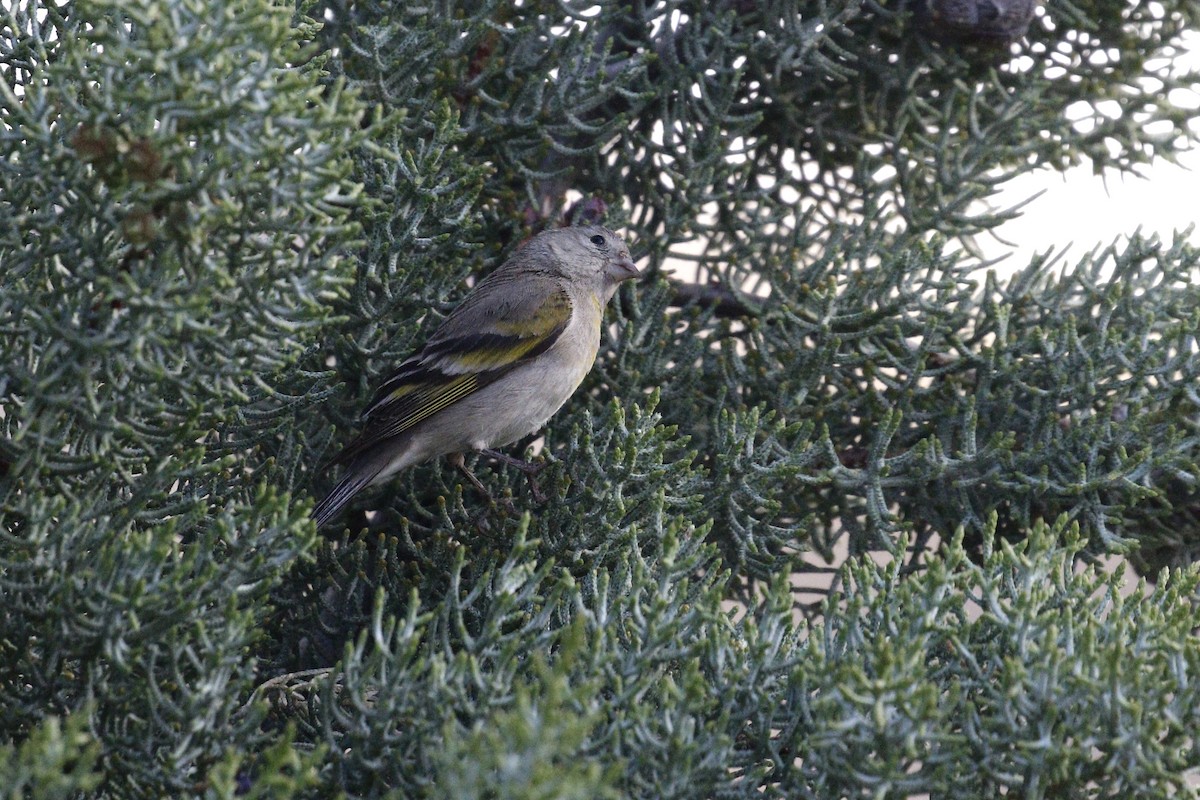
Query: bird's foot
[(528, 468), (461, 465)]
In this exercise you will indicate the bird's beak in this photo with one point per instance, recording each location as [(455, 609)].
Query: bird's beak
[(623, 269)]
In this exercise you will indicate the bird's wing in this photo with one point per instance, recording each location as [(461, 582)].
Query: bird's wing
[(491, 333)]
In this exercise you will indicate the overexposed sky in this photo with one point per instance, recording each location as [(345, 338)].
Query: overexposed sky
[(1084, 210)]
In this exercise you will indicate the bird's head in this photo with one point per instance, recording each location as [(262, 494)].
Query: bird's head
[(591, 254)]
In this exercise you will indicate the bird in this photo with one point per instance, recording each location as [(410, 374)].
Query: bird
[(497, 367)]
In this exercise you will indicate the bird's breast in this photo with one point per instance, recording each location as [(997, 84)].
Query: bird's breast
[(528, 396)]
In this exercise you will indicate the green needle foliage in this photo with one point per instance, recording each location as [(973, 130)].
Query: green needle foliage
[(833, 515)]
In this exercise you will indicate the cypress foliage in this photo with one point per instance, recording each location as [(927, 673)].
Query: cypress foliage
[(223, 223)]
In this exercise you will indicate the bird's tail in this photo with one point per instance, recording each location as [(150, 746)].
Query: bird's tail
[(356, 478)]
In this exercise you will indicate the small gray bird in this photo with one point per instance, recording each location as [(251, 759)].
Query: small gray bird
[(497, 367)]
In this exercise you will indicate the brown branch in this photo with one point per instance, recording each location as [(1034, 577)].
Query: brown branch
[(724, 302)]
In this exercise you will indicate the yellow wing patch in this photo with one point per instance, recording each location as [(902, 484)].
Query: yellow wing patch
[(546, 317), (493, 352)]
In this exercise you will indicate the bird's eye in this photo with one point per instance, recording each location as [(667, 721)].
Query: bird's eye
[(598, 240)]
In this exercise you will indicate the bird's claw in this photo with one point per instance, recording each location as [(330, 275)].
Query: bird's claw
[(530, 469)]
